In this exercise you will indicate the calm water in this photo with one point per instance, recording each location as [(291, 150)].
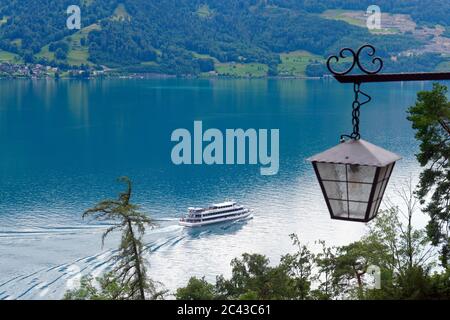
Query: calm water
[(62, 144)]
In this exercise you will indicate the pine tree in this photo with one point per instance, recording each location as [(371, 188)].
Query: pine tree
[(129, 271)]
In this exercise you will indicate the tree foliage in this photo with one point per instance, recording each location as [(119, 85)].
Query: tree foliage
[(108, 289), (196, 289), (430, 117)]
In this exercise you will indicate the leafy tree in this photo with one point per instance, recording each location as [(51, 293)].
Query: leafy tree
[(109, 289), (63, 45), (253, 277), (196, 289), (430, 117), (273, 70), (350, 266), (403, 253), (28, 57), (325, 261), (440, 285), (60, 54), (206, 65), (299, 266), (409, 246)]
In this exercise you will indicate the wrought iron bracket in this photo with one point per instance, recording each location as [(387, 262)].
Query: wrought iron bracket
[(370, 75), (373, 75)]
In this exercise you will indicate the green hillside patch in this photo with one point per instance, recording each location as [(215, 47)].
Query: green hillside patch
[(342, 15), (205, 56), (77, 54), (391, 23), (242, 70), (294, 63), (78, 57), (6, 56), (46, 54)]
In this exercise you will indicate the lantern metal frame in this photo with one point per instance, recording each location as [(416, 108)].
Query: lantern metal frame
[(335, 171), (372, 204)]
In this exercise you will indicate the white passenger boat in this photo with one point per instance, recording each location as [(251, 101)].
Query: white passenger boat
[(220, 212)]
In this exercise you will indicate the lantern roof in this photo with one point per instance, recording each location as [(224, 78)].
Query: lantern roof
[(358, 152)]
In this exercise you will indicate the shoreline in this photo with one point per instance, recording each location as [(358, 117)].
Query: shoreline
[(144, 77)]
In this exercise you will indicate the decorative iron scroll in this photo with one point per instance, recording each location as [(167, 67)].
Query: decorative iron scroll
[(356, 60)]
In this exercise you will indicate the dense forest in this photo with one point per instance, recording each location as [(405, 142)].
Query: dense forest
[(192, 36)]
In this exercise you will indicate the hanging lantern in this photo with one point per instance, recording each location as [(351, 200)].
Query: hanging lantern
[(353, 177), (354, 174)]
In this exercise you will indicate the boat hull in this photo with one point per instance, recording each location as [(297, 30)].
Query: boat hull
[(244, 215)]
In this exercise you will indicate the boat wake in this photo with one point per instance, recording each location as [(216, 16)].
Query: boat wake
[(52, 281)]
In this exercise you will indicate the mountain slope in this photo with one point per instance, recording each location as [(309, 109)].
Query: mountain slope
[(185, 36)]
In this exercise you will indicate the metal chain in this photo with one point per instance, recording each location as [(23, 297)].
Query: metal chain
[(356, 105), (355, 113)]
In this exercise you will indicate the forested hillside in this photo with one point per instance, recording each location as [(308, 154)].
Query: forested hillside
[(198, 36)]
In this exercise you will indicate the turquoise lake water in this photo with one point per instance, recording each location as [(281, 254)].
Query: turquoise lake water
[(63, 144)]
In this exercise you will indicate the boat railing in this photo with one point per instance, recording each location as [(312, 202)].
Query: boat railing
[(238, 210), (200, 210)]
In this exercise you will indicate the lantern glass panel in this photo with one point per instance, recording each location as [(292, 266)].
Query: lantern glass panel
[(336, 190), (339, 208), (359, 191), (357, 210), (348, 188), (358, 173), (353, 176), (332, 171)]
